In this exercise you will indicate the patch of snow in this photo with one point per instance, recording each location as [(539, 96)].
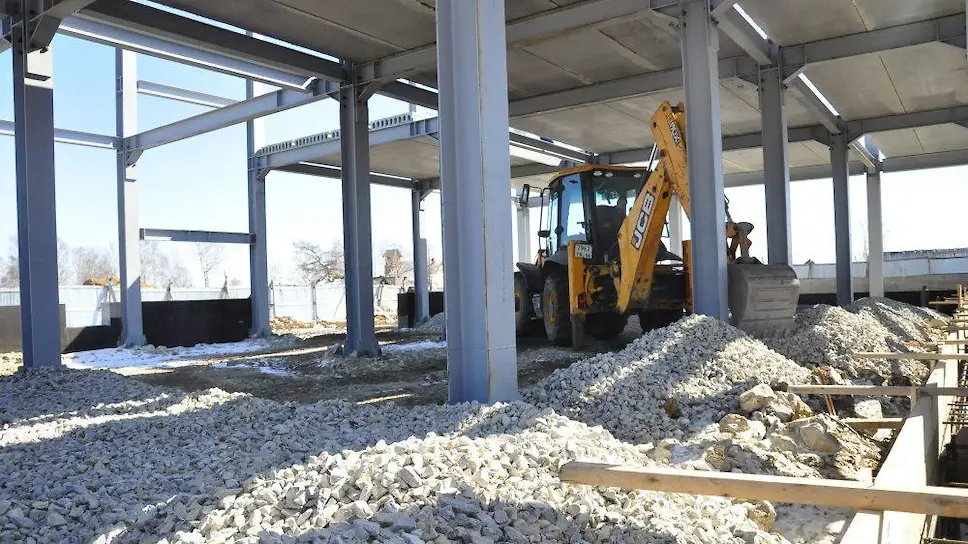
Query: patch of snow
[(415, 346), (160, 357)]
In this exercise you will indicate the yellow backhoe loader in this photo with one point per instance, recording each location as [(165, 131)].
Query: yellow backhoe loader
[(603, 258)]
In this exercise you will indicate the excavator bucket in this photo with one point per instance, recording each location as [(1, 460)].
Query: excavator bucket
[(763, 298)]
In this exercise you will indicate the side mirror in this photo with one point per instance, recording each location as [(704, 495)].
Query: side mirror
[(525, 196), (544, 233)]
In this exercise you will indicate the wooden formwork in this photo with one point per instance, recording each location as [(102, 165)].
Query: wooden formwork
[(903, 503)]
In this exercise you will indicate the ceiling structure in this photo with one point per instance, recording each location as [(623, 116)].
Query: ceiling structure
[(590, 73)]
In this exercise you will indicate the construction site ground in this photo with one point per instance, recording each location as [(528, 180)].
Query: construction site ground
[(411, 370)]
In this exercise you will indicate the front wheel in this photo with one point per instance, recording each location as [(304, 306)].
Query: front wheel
[(605, 326), (556, 309), (524, 319), (656, 319)]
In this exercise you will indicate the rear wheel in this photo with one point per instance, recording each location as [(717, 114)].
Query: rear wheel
[(656, 319), (556, 309), (605, 326), (524, 318)]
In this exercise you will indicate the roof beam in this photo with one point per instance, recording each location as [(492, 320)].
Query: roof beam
[(74, 137), (160, 90), (856, 129), (145, 19), (738, 29), (868, 154), (946, 29), (320, 170), (548, 23), (950, 29), (548, 148), (227, 116), (202, 236), (805, 95), (856, 168), (175, 50)]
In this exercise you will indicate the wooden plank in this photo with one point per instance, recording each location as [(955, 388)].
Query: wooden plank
[(862, 424), (931, 500), (856, 390), (877, 390), (917, 356)]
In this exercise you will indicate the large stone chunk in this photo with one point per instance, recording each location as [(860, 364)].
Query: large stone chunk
[(789, 407), (734, 423), (757, 398), (816, 437)]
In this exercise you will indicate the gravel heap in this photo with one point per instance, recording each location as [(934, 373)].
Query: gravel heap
[(825, 336), (668, 383), (904, 321), (436, 324), (218, 467)]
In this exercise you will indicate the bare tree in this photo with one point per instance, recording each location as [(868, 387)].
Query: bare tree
[(209, 257), (317, 265), (98, 266), (159, 269)]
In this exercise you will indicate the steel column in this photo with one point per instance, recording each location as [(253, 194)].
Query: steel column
[(33, 104), (258, 249), (838, 162), (776, 165), (357, 237), (129, 240), (524, 233), (675, 226), (875, 236), (420, 285), (475, 185), (700, 42)]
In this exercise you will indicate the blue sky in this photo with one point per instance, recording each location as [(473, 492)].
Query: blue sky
[(200, 183)]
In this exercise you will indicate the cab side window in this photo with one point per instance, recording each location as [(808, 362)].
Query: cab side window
[(572, 210)]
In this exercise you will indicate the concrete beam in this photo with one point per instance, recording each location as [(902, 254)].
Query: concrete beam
[(333, 172), (733, 25), (805, 95)]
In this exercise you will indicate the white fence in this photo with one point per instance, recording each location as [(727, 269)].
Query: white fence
[(87, 305)]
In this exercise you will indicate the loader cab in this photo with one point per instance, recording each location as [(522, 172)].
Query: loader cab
[(588, 205)]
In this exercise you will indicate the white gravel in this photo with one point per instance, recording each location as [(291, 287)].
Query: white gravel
[(827, 335), (436, 324), (90, 456)]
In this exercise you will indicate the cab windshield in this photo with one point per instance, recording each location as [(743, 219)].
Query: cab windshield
[(616, 189)]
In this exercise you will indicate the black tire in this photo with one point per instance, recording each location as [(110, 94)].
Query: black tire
[(656, 319), (556, 309), (525, 322), (605, 326)]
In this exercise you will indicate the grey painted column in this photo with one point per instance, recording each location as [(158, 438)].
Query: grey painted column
[(875, 236), (675, 225), (776, 165), (33, 104), (258, 249), (524, 234), (838, 162), (129, 241), (420, 285), (475, 185), (700, 43), (357, 237)]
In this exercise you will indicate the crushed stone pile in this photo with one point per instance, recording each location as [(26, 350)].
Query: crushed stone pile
[(825, 336), (216, 467), (670, 382), (904, 321), (436, 324)]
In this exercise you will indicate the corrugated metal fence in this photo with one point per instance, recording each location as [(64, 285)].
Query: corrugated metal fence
[(87, 305)]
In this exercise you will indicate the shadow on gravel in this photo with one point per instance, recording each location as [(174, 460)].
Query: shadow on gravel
[(125, 476)]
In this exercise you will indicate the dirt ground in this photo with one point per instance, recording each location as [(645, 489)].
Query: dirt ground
[(412, 369)]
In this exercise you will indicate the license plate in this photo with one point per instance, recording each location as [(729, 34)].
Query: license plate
[(583, 251)]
